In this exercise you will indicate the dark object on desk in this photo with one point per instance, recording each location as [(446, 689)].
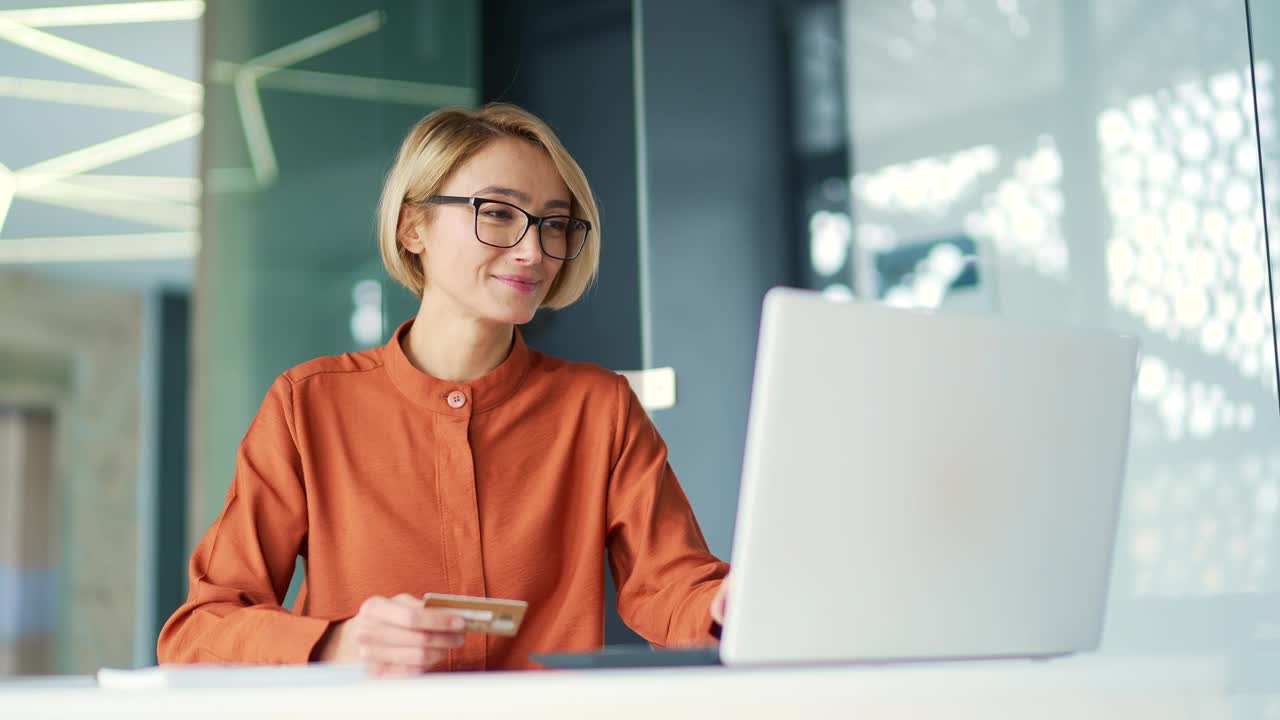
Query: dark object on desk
[(630, 656)]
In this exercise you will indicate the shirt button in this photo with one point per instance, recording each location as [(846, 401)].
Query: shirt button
[(457, 399)]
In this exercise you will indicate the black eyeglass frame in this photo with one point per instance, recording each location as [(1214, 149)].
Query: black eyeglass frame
[(530, 221)]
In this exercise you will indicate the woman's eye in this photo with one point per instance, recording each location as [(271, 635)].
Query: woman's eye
[(556, 225), (498, 214)]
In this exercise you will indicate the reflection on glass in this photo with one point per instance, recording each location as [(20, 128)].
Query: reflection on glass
[(367, 316), (1109, 181), (1180, 175)]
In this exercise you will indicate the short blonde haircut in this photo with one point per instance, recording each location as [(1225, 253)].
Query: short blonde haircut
[(437, 146)]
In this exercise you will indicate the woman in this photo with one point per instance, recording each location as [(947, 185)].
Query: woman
[(454, 459)]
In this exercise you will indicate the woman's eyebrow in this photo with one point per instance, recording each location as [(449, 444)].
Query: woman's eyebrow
[(519, 196)]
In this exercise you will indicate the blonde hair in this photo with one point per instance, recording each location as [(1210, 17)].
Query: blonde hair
[(437, 146)]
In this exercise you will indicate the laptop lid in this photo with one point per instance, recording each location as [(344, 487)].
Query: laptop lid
[(924, 487)]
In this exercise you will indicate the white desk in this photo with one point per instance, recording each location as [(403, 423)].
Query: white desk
[(1086, 687)]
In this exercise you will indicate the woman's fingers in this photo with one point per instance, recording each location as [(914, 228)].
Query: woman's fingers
[(394, 636), (417, 658), (720, 602), (445, 640), (406, 611), (389, 670), (397, 636)]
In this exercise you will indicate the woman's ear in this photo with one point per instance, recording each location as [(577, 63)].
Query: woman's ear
[(408, 229)]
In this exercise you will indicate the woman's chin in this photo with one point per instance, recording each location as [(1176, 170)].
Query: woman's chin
[(513, 314)]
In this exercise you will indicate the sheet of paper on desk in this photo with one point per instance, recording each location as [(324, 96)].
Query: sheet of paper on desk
[(229, 676)]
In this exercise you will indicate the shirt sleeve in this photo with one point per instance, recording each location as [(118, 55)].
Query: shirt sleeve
[(241, 569), (665, 574)]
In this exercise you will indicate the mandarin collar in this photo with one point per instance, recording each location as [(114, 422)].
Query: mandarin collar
[(459, 399)]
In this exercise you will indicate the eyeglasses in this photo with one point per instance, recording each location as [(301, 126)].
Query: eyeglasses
[(503, 225)]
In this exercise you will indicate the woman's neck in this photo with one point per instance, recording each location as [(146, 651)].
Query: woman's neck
[(453, 347)]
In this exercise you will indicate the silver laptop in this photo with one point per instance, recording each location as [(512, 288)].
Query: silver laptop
[(921, 488)]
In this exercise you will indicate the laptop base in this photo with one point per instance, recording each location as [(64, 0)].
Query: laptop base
[(630, 656)]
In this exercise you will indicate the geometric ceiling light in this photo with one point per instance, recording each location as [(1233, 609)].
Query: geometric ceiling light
[(106, 14), (68, 179), (274, 69), (168, 203)]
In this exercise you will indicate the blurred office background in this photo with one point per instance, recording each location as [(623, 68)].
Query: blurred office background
[(186, 210)]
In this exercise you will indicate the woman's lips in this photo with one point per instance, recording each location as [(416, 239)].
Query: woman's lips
[(519, 284)]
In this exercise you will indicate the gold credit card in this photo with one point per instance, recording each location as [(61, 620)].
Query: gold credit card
[(483, 615)]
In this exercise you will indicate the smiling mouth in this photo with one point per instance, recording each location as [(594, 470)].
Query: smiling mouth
[(518, 284)]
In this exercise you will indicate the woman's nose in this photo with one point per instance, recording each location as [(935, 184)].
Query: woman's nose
[(529, 249)]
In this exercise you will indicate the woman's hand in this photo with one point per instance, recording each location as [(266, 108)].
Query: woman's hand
[(393, 636), (720, 603)]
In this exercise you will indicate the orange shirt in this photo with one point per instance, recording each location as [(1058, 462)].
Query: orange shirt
[(387, 480)]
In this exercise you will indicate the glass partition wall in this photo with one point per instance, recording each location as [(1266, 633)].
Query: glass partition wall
[(1096, 164)]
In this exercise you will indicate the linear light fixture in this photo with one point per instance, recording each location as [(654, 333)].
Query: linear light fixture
[(113, 150), (113, 203), (321, 42), (151, 187), (90, 95), (108, 14), (262, 154), (355, 87), (8, 186), (129, 72), (97, 248)]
